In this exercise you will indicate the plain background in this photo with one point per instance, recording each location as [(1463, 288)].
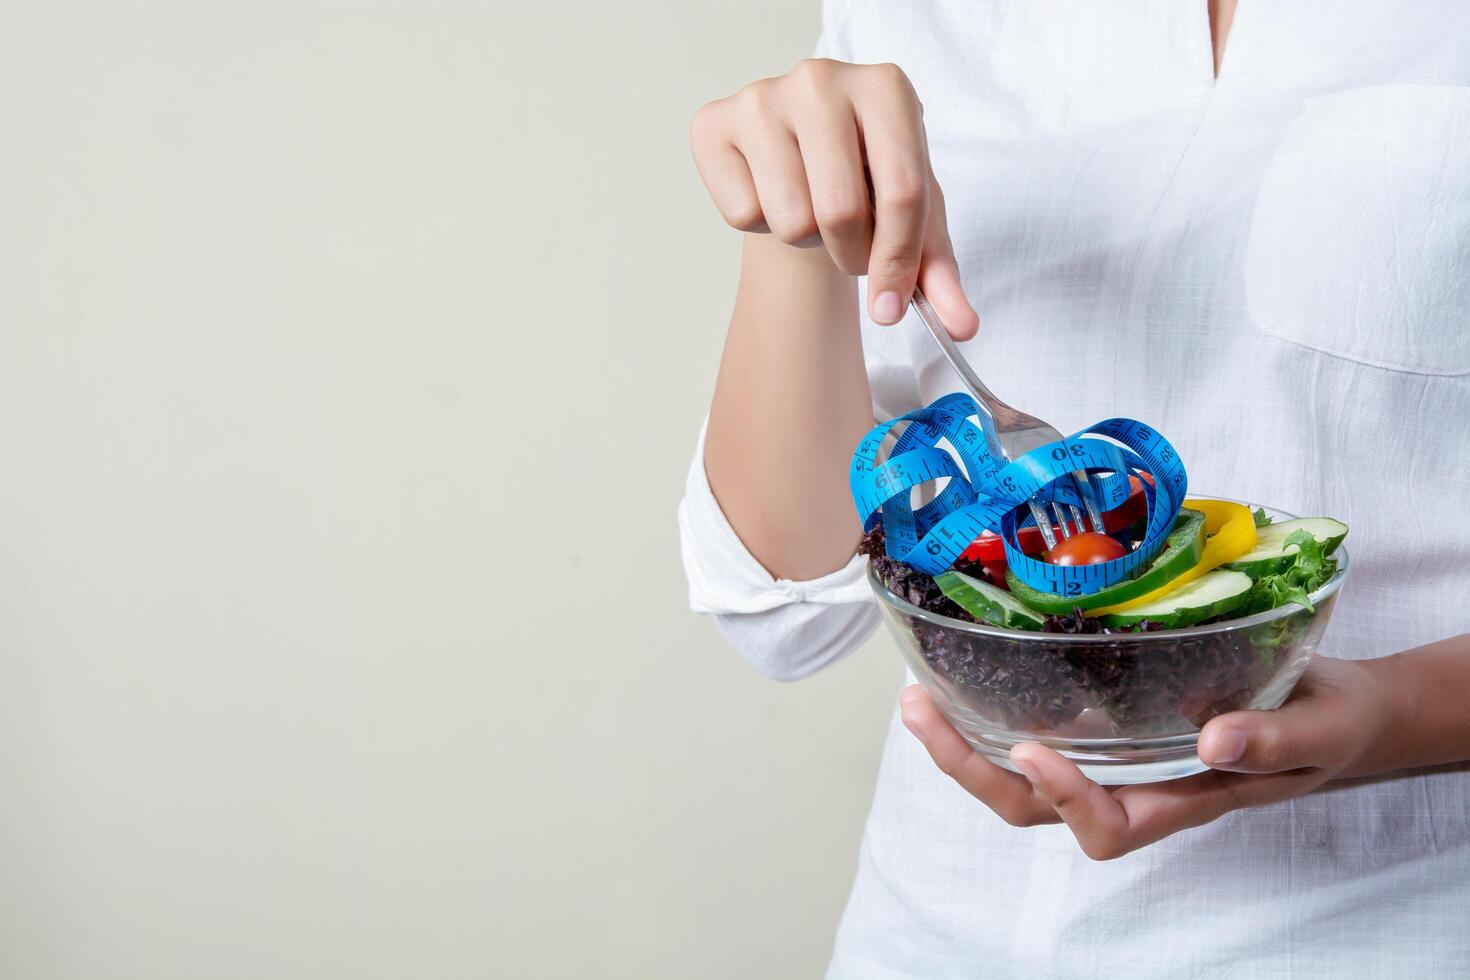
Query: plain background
[(351, 356)]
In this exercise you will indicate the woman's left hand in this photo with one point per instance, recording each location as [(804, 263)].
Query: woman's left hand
[(1337, 723)]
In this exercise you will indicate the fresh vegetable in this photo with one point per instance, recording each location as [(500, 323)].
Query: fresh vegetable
[(1182, 550), (1261, 518), (1272, 554), (1089, 548), (1309, 569), (989, 549), (995, 574), (1212, 594), (986, 602), (1232, 533)]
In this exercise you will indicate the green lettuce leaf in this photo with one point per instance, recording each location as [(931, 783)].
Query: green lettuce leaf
[(1297, 582)]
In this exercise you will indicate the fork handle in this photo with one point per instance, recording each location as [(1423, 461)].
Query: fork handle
[(989, 405), (947, 346), (989, 408)]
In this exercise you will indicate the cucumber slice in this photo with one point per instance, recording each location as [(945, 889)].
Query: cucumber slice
[(1212, 594), (1181, 552), (985, 602), (1271, 554)]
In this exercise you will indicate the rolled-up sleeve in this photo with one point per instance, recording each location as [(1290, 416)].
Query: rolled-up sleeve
[(784, 629)]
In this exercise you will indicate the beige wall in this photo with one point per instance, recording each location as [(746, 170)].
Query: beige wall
[(350, 356)]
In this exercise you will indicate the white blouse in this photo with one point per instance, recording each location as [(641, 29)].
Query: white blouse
[(1273, 267)]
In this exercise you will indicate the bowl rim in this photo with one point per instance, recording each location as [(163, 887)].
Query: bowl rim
[(1329, 588)]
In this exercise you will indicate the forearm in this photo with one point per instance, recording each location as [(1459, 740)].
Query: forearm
[(1428, 689), (829, 154), (790, 404)]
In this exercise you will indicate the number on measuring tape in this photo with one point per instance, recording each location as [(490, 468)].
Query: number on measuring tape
[(982, 493)]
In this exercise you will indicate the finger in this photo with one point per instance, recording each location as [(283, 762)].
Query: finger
[(723, 169), (939, 273), (1008, 794), (888, 117), (1095, 818), (828, 137), (732, 188), (1156, 810), (1108, 825), (1300, 734), (774, 159)]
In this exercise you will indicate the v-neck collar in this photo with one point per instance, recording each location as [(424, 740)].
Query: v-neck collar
[(1222, 44), (1239, 30)]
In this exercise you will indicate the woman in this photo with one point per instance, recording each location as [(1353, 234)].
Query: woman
[(1250, 227)]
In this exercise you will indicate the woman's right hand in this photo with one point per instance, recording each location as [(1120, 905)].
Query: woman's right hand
[(796, 156)]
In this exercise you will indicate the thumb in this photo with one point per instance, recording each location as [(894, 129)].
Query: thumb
[(939, 274), (1307, 733)]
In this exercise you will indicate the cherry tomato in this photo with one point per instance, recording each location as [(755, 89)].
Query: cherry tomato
[(1091, 548)]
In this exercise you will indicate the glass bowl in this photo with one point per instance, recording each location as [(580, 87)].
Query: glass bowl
[(1125, 707)]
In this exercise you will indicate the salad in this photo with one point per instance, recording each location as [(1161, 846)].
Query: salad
[(1050, 687), (1220, 561), (947, 531)]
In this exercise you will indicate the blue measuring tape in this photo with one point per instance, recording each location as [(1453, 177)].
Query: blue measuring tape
[(985, 494)]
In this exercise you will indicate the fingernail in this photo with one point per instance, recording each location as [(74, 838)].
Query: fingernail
[(1027, 769), (887, 308), (1226, 747)]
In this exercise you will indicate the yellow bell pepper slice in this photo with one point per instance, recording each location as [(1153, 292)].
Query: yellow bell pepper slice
[(1231, 534)]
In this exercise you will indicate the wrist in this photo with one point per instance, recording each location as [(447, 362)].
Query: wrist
[(1394, 716), (1422, 707)]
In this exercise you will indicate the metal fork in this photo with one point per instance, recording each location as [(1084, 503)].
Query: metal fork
[(1011, 433)]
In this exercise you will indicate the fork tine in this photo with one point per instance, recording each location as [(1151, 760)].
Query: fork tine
[(1089, 500), (1073, 513), (1043, 522), (1077, 518), (1061, 519)]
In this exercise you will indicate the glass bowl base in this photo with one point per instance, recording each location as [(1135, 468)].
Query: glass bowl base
[(1108, 762)]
